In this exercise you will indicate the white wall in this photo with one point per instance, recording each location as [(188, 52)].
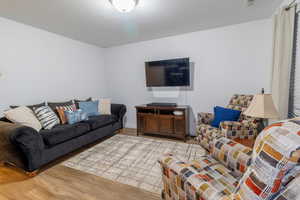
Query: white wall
[(227, 60), (37, 65)]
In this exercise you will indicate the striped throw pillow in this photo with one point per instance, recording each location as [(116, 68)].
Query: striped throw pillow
[(46, 116), (61, 112)]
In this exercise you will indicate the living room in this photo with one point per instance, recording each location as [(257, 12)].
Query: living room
[(90, 108)]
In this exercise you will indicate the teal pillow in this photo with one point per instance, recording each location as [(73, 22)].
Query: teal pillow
[(89, 107), (224, 114), (75, 116)]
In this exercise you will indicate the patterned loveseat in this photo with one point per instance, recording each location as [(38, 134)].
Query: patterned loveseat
[(244, 128), (228, 173)]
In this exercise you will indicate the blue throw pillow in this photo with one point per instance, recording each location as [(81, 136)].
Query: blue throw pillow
[(75, 116), (224, 114), (89, 107)]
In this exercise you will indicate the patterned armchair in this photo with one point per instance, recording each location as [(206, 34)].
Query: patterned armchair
[(229, 174), (244, 128)]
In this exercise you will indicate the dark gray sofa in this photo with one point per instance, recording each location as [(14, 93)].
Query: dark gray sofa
[(39, 149)]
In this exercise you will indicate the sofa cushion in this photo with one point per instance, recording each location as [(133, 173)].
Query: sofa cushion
[(62, 133), (30, 106), (100, 121)]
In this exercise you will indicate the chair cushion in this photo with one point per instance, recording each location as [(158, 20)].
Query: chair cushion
[(62, 133), (224, 114), (100, 121)]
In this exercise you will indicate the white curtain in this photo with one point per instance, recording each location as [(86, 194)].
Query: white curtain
[(283, 39)]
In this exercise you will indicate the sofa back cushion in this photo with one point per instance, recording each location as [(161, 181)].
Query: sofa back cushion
[(275, 157), (30, 106)]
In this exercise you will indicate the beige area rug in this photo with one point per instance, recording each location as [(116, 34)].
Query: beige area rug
[(132, 160)]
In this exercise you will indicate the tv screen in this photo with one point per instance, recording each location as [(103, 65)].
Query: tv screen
[(168, 73)]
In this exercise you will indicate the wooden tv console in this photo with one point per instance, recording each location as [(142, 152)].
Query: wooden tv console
[(161, 120)]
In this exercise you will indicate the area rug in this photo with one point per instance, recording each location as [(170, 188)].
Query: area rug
[(132, 160)]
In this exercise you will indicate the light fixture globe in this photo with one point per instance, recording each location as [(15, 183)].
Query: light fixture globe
[(124, 5)]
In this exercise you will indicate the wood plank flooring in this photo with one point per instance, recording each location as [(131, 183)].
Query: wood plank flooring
[(63, 183), (57, 182)]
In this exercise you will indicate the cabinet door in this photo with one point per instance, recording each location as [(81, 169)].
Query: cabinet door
[(166, 124), (179, 126), (151, 124), (140, 123)]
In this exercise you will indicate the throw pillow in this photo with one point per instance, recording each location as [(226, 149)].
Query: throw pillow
[(76, 101), (24, 116), (61, 112), (46, 116), (53, 105), (89, 107), (224, 114), (75, 116), (105, 106)]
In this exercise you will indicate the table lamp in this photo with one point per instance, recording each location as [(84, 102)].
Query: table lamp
[(262, 106)]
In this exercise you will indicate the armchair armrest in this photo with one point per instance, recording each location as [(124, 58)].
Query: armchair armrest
[(235, 156), (31, 144), (205, 118), (184, 180), (247, 129)]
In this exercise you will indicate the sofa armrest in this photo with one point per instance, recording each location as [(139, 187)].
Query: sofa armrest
[(118, 110), (31, 144), (205, 118), (242, 130), (233, 155)]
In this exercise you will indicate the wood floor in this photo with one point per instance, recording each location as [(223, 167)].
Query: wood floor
[(62, 183)]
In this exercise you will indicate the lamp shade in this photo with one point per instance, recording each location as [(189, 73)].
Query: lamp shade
[(262, 106)]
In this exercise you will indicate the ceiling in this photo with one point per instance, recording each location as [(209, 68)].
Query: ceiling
[(97, 22)]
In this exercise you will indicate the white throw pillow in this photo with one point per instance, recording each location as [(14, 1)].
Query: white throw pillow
[(104, 107), (24, 116)]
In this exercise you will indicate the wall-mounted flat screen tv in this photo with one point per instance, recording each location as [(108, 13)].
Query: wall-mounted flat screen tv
[(168, 73)]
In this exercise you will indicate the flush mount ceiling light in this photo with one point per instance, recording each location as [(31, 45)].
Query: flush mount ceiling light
[(124, 5)]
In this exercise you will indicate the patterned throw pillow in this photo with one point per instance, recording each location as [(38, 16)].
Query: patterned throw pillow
[(46, 116), (276, 154), (61, 112)]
